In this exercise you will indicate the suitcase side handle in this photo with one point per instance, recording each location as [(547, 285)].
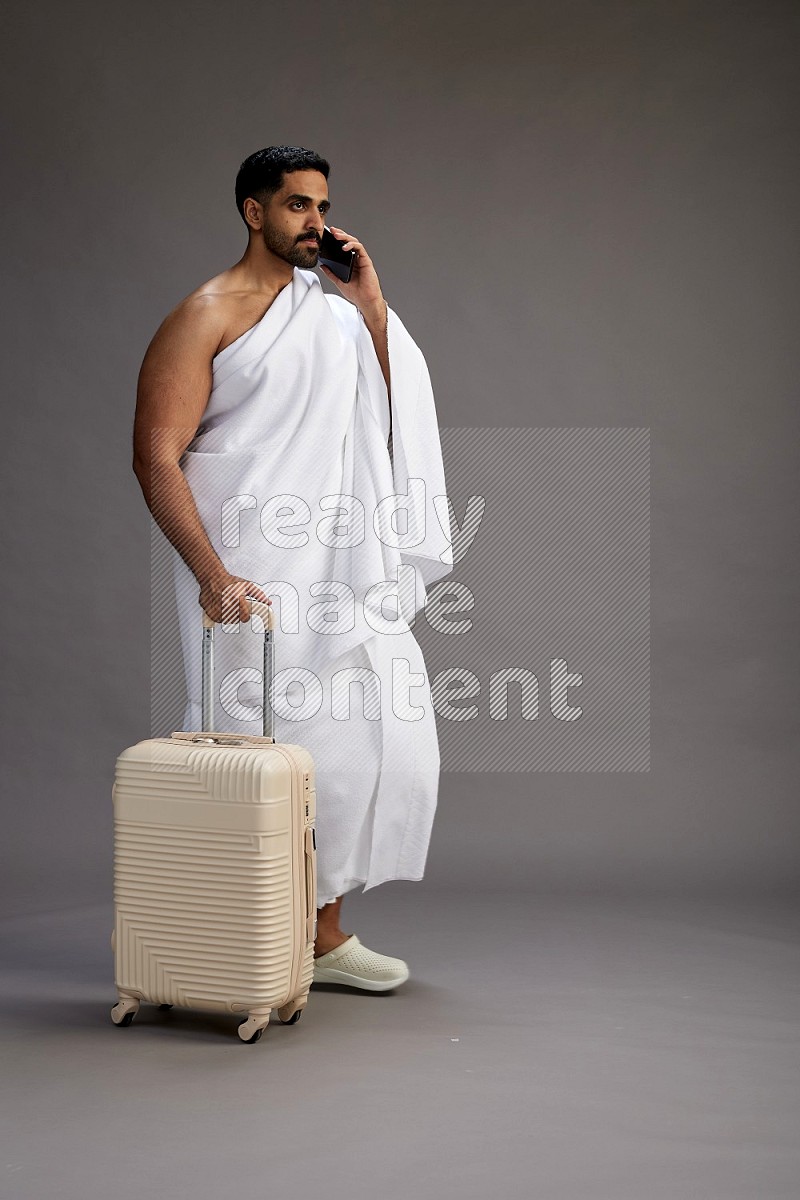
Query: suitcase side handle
[(264, 611), (311, 884)]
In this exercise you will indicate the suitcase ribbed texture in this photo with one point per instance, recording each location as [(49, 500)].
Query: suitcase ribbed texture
[(213, 885)]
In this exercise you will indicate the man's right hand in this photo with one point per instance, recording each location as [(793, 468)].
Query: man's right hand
[(224, 598)]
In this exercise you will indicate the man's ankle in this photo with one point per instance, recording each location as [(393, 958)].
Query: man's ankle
[(328, 940)]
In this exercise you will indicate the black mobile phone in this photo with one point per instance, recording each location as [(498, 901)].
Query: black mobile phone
[(331, 253)]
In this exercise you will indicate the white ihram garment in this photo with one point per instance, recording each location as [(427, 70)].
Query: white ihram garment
[(299, 411)]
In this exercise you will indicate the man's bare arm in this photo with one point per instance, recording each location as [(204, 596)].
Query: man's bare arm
[(173, 390)]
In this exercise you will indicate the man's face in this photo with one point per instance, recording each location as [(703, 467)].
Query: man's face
[(295, 216)]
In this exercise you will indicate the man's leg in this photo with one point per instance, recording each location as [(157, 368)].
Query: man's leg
[(329, 934)]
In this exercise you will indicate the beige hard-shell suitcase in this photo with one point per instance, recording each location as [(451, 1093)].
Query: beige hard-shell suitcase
[(215, 884)]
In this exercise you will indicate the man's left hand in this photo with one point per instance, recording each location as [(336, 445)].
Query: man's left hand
[(364, 288)]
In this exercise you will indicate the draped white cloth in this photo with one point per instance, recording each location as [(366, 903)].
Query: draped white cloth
[(297, 491)]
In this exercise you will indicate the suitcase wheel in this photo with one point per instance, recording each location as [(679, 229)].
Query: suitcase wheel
[(249, 1040), (290, 1012), (251, 1029), (293, 1019), (123, 1012)]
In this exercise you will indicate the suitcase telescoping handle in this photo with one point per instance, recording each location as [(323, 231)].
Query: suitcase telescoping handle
[(264, 611)]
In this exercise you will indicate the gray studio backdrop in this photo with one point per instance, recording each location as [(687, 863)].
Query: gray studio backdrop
[(584, 214)]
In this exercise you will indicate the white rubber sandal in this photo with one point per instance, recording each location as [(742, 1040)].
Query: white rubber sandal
[(356, 966)]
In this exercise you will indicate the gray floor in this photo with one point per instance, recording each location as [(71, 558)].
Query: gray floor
[(547, 1047)]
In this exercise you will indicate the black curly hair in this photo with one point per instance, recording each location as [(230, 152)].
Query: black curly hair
[(261, 175)]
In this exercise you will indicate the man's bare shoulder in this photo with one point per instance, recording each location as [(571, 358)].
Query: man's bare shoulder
[(223, 308), (196, 325), (211, 307), (218, 294)]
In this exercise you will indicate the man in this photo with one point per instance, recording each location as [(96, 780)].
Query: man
[(282, 434)]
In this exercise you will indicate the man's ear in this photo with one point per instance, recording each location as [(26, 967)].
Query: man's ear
[(254, 212)]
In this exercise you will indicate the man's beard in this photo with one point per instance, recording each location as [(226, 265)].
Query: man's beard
[(299, 254)]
